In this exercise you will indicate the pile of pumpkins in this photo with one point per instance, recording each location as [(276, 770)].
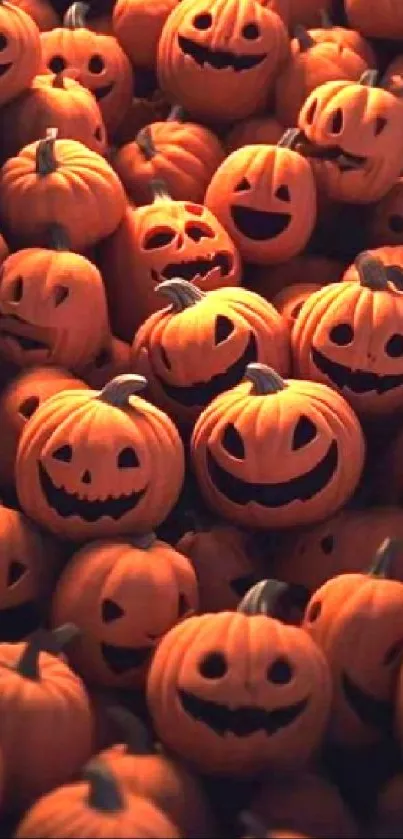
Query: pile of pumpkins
[(201, 419)]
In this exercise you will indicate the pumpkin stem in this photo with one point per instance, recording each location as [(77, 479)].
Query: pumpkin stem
[(181, 294), (384, 557), (290, 139), (45, 160), (145, 143), (176, 114), (252, 824), (58, 238), (104, 792), (143, 541), (264, 379), (28, 663), (369, 78), (136, 736), (274, 598), (58, 81), (306, 42), (75, 17), (118, 390), (325, 19), (371, 272), (62, 636), (159, 189)]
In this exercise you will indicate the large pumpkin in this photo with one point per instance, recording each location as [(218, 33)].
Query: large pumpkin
[(274, 453), (202, 343), (81, 481), (20, 51), (376, 18)]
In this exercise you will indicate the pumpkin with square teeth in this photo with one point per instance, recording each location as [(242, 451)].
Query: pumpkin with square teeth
[(348, 335), (95, 464), (234, 693), (219, 59), (201, 344), (275, 453), (123, 596), (357, 620), (20, 51), (257, 194), (158, 242)]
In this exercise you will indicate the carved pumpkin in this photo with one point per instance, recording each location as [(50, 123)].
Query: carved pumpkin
[(85, 483), (240, 693), (20, 51), (338, 340), (97, 61), (161, 241), (45, 297), (312, 63), (18, 402), (386, 223), (290, 300), (123, 596), (49, 180), (218, 60), (328, 32), (357, 620), (257, 194), (355, 130), (137, 25), (254, 132), (113, 359), (41, 12), (36, 686), (184, 155), (88, 807), (305, 269), (383, 19), (187, 367), (311, 434)]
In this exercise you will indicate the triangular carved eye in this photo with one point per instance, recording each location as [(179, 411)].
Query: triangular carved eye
[(380, 125), (243, 185), (110, 611), (16, 570), (29, 406), (223, 328), (232, 442), (305, 432)]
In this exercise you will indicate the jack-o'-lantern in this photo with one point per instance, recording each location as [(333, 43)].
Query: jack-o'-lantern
[(305, 269), (275, 453), (234, 693), (256, 131), (185, 366), (113, 359), (45, 298), (218, 59), (41, 11), (257, 194), (93, 464), (289, 300), (20, 51), (137, 25), (349, 335), (357, 620), (344, 37), (354, 131), (383, 19), (96, 61), (123, 596), (18, 402), (386, 222), (161, 241)]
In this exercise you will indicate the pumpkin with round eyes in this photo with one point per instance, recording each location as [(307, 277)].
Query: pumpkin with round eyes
[(161, 241), (348, 335), (353, 132), (254, 132), (185, 366), (257, 194), (57, 101), (18, 402), (357, 620), (289, 300), (377, 19), (184, 155), (305, 269), (113, 359), (137, 25), (274, 453), (45, 296), (95, 464), (20, 51), (219, 59), (312, 62), (241, 692), (123, 596), (41, 12), (48, 181), (96, 61), (386, 222)]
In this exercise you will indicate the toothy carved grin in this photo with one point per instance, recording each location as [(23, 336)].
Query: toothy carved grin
[(345, 161), (196, 267), (218, 59), (242, 722), (358, 381)]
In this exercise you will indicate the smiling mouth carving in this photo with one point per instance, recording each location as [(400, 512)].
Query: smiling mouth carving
[(26, 342), (358, 381), (101, 92), (242, 722), (345, 161), (302, 488), (218, 59), (122, 659), (203, 392), (5, 67), (16, 622), (68, 504), (259, 225), (376, 713), (196, 267)]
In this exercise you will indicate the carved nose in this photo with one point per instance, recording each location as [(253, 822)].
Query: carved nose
[(86, 477)]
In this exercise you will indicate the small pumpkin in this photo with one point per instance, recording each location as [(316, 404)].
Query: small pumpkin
[(123, 596), (218, 59), (61, 182), (41, 12), (186, 366), (289, 300), (375, 19), (348, 335), (20, 51), (158, 242), (254, 132), (92, 806), (137, 25), (82, 482), (184, 155), (386, 222), (328, 32), (305, 269), (113, 359), (311, 434), (257, 194), (357, 620)]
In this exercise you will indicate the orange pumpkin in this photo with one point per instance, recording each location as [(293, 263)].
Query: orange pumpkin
[(392, 79), (41, 12), (85, 484), (328, 32), (97, 17), (383, 19), (113, 359), (185, 366), (146, 107), (123, 596), (257, 194), (20, 51), (386, 223), (305, 269), (305, 12), (255, 131), (310, 432), (218, 59), (289, 300)]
